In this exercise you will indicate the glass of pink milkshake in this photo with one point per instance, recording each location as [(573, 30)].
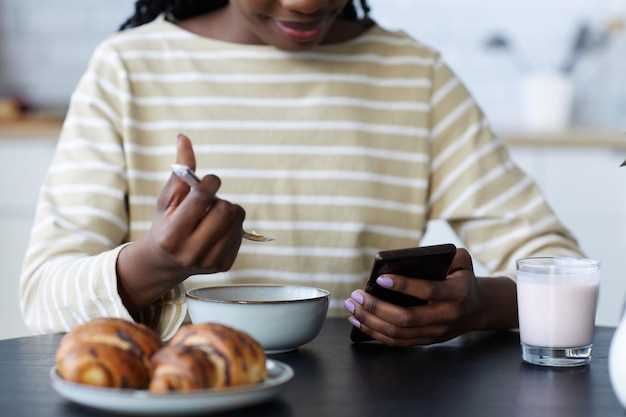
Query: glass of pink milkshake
[(557, 299)]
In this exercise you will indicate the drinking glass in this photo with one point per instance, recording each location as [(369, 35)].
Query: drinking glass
[(557, 301)]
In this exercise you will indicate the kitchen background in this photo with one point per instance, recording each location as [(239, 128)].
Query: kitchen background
[(563, 119)]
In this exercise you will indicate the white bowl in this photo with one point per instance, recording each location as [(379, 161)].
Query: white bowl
[(280, 317)]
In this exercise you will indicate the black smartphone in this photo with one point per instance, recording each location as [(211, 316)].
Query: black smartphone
[(424, 262)]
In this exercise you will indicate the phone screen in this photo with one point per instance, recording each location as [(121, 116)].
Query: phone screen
[(425, 262)]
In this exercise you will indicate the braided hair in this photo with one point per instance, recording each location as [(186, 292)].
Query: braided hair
[(148, 10)]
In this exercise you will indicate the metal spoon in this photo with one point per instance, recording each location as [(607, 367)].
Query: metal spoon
[(187, 175)]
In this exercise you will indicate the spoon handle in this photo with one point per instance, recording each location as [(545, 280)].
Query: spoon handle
[(186, 174)]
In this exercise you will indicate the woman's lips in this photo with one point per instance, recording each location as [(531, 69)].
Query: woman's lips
[(300, 32)]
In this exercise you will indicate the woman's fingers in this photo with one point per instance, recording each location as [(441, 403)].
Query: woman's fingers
[(394, 334), (450, 305), (194, 226), (175, 191), (184, 152)]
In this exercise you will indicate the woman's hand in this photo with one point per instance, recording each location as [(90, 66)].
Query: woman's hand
[(193, 232), (457, 305)]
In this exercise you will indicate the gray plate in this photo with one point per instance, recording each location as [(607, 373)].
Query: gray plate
[(143, 403)]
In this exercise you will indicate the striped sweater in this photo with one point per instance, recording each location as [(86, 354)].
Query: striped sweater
[(337, 152)]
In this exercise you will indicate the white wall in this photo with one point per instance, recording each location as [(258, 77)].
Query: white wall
[(23, 165), (45, 45)]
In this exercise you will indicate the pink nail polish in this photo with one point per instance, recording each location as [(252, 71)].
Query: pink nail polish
[(384, 281), (357, 296), (349, 306), (354, 322)]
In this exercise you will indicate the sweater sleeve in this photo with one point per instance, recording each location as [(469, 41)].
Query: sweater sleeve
[(82, 220), (497, 210)]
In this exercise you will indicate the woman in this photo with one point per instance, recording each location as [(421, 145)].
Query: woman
[(339, 137)]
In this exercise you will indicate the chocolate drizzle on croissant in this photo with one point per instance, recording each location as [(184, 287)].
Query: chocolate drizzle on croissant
[(182, 368), (105, 366)]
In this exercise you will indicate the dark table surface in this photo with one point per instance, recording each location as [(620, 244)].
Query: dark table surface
[(480, 374)]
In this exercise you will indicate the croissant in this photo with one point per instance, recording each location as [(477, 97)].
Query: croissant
[(108, 352), (238, 358), (118, 353)]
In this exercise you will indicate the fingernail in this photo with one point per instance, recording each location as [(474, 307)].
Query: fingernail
[(357, 296), (349, 306), (354, 322), (384, 281)]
